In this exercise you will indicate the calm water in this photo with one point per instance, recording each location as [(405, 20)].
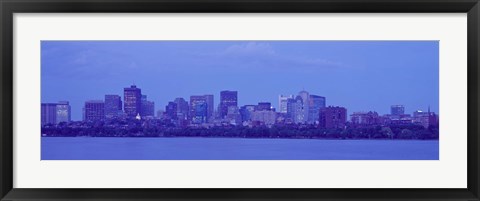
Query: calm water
[(86, 148)]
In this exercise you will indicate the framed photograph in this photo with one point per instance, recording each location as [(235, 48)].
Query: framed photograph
[(239, 100)]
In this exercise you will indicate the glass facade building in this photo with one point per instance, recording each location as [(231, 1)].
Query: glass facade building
[(63, 111), (113, 106), (315, 103)]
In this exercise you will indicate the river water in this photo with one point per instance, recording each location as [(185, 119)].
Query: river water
[(116, 148)]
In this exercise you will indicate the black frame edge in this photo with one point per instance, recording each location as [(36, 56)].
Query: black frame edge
[(241, 6), (6, 112), (473, 21), (8, 7)]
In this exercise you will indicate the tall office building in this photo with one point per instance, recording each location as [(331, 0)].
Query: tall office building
[(227, 99), (94, 110), (48, 113), (397, 110), (210, 107), (63, 112), (132, 101), (113, 106), (301, 108), (283, 103), (54, 113), (182, 108), (198, 109), (148, 107), (171, 110), (332, 117), (315, 103), (291, 106)]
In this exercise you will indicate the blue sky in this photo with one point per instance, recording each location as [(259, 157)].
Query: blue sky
[(358, 75)]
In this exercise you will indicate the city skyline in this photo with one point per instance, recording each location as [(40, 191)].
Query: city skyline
[(79, 67), (111, 108)]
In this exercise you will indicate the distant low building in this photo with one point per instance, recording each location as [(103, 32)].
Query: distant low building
[(233, 116), (265, 116), (264, 106), (397, 110), (402, 119), (425, 119), (160, 114), (246, 112), (365, 118), (332, 117)]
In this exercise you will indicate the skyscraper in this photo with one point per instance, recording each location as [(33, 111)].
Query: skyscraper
[(48, 113), (171, 110), (94, 110), (301, 108), (132, 101), (63, 111), (291, 106), (148, 107), (182, 108), (227, 99), (282, 103), (198, 109), (113, 106), (315, 103), (210, 107)]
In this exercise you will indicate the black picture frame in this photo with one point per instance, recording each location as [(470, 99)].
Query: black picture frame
[(9, 7)]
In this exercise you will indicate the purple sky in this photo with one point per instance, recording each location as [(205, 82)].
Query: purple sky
[(358, 75)]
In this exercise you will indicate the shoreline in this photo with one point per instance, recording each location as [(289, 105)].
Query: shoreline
[(350, 139)]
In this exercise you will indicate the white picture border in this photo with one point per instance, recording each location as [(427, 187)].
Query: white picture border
[(448, 172)]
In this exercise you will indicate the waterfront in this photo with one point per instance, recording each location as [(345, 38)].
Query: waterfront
[(116, 148)]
